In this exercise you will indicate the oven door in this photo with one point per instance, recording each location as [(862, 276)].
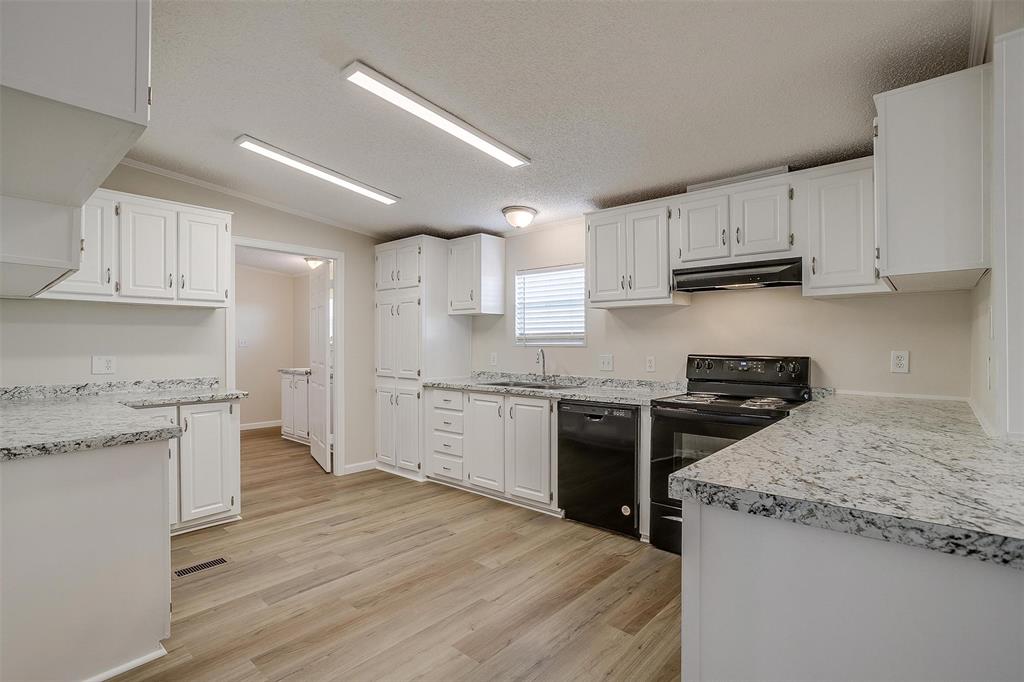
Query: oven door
[(682, 436)]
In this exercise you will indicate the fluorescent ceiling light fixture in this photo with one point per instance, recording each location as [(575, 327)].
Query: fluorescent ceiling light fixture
[(313, 263), (318, 171), (519, 216), (387, 89)]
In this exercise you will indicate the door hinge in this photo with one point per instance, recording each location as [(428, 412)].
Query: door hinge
[(417, 395), (419, 249), (792, 238), (117, 209), (588, 294), (417, 372), (588, 227), (669, 209), (419, 301), (149, 95), (170, 607), (417, 466), (790, 192), (81, 245)]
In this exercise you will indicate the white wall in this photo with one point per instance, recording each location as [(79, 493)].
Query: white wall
[(300, 324), (848, 339), (263, 319)]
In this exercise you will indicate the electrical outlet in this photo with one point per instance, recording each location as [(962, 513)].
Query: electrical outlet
[(493, 360), (606, 362), (899, 361), (103, 364), (242, 342), (649, 365)]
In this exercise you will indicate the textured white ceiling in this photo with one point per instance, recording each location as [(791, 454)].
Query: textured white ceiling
[(285, 263), (612, 102)]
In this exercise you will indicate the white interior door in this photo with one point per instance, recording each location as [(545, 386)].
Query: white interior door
[(319, 395), (148, 251), (95, 274), (203, 245), (205, 457)]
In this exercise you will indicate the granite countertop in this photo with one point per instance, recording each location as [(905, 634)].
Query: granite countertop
[(597, 389), (59, 419), (294, 370), (918, 472)]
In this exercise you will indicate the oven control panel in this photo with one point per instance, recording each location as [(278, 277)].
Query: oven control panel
[(754, 369)]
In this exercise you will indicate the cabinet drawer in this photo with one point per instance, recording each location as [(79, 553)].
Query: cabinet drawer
[(446, 466), (446, 420), (451, 400), (447, 442)]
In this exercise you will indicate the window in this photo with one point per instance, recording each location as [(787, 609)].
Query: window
[(550, 306)]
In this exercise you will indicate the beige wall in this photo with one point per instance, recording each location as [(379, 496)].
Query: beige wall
[(45, 341), (848, 339), (264, 315), (300, 326)]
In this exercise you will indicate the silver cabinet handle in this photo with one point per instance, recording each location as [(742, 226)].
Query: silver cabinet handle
[(392, 275), (814, 265), (170, 280), (183, 281), (723, 236), (499, 411), (737, 235), (446, 423), (399, 273), (680, 253), (108, 275), (444, 468), (392, 311), (511, 411), (630, 281), (185, 430), (447, 445), (622, 283)]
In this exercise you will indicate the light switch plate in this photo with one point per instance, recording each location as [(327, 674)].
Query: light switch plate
[(649, 365), (606, 362), (104, 364), (899, 361), (243, 342), (493, 361)]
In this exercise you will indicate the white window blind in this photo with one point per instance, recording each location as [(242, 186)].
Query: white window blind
[(550, 306)]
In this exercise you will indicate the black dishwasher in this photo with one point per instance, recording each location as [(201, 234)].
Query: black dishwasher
[(597, 465)]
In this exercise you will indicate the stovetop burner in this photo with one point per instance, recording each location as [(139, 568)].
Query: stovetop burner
[(761, 403), (695, 398)]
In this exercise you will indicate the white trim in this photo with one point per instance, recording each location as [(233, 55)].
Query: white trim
[(557, 513), (270, 272), (125, 667), (260, 425), (909, 396), (181, 177), (206, 524), (981, 28), (338, 398), (979, 414), (368, 465)]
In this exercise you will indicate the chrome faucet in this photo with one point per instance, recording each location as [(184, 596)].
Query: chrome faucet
[(542, 361)]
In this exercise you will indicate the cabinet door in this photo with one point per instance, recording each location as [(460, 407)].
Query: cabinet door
[(528, 449), (606, 257), (148, 251), (407, 428), (206, 476), (287, 404), (203, 259), (386, 264), (760, 220), (841, 229), (484, 441), (171, 415), (385, 336), (407, 265), (96, 274), (300, 397), (464, 275), (700, 230), (385, 424), (406, 325), (647, 253)]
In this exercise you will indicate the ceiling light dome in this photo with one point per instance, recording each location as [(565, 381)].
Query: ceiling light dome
[(519, 216)]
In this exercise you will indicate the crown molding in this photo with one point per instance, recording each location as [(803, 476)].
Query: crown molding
[(213, 187), (981, 28)]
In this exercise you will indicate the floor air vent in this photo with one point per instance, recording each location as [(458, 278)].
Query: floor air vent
[(195, 568)]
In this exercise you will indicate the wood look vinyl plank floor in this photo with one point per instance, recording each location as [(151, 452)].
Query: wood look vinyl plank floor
[(375, 577)]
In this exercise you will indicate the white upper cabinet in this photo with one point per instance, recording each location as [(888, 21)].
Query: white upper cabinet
[(700, 230), (606, 257), (406, 333), (528, 448), (476, 275), (386, 264), (385, 335), (647, 253), (149, 238), (208, 465), (203, 256), (760, 220), (484, 441), (96, 275), (930, 168), (841, 230), (407, 265)]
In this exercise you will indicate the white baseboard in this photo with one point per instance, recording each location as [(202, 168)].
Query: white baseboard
[(260, 425), (124, 667), (369, 465)]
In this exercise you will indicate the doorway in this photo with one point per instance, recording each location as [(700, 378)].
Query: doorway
[(285, 345)]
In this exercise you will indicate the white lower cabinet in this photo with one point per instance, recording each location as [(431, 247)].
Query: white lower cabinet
[(398, 433), (295, 407), (204, 469), (497, 443), (385, 425)]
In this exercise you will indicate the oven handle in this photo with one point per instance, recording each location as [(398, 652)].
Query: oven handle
[(690, 414)]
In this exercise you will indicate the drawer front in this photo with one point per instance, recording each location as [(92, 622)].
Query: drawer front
[(447, 442), (447, 466), (450, 400), (445, 420)]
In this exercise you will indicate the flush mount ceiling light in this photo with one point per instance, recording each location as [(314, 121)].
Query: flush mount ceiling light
[(318, 171), (402, 97), (519, 216), (313, 263)]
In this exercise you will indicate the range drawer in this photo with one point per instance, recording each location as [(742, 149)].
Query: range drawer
[(449, 400), (446, 442), (446, 420), (446, 466)]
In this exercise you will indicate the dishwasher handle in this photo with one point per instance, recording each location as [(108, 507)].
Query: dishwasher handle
[(597, 412)]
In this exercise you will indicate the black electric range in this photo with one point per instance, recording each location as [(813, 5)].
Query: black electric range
[(730, 397)]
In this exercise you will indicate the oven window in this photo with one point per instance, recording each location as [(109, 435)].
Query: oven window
[(688, 448)]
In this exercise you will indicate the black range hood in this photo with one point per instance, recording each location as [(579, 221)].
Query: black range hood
[(787, 272)]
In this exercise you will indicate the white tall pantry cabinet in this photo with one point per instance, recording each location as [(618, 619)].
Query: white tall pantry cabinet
[(415, 339)]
